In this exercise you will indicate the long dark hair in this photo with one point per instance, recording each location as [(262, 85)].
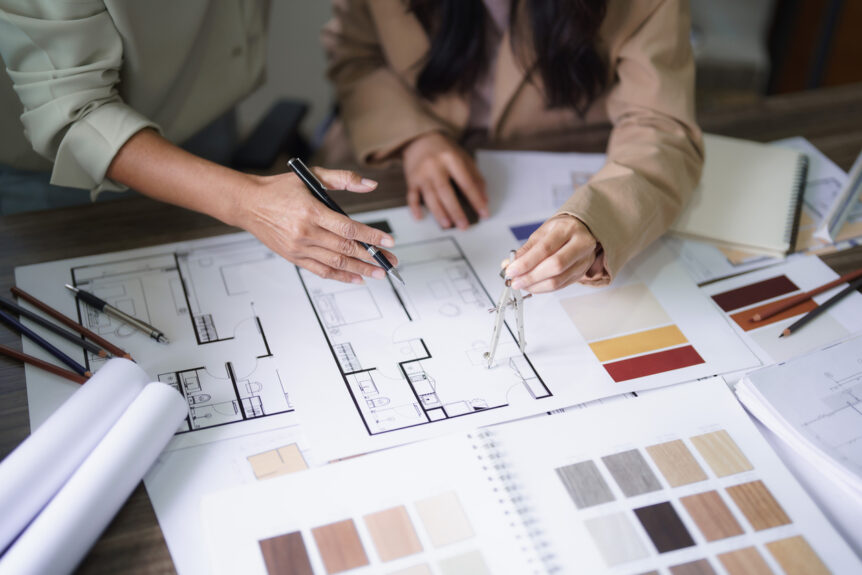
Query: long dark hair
[(563, 32)]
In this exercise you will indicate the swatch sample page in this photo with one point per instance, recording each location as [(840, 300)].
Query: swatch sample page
[(677, 481), (741, 297), (422, 509)]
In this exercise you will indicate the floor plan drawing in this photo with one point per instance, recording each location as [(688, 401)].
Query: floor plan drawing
[(219, 357), (410, 356)]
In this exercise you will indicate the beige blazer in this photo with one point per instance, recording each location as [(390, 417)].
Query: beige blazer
[(89, 74), (655, 154)]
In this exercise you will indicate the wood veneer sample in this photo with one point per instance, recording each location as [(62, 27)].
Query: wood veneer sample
[(699, 567), (664, 527), (721, 453), (711, 515), (746, 561), (676, 463), (616, 538), (339, 546), (286, 555), (393, 533), (758, 505), (631, 472), (444, 519), (796, 557), (585, 484)]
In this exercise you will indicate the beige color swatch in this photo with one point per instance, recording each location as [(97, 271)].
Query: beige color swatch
[(676, 463), (721, 453), (469, 563), (393, 533), (745, 561), (281, 461), (615, 311), (711, 515), (758, 505), (796, 557), (444, 519), (422, 569), (339, 546)]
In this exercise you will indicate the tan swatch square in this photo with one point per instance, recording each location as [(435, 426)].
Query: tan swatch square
[(745, 561), (393, 533), (758, 505), (676, 463), (796, 557), (711, 515), (339, 546), (721, 453), (444, 519)]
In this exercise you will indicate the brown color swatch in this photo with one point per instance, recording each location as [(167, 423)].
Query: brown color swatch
[(754, 293), (745, 561), (676, 463), (393, 533), (743, 318), (721, 453), (699, 567), (286, 555), (664, 527), (758, 505), (711, 515), (796, 556), (339, 546)]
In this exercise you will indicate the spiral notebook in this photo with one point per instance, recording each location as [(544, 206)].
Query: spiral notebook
[(676, 480), (749, 197)]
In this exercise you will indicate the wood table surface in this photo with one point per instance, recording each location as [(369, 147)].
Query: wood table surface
[(830, 118)]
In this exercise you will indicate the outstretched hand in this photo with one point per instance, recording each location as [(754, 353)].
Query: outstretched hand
[(559, 253), (283, 214)]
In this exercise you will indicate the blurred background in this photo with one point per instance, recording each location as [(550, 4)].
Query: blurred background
[(745, 50)]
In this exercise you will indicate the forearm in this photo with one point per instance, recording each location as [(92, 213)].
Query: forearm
[(155, 167)]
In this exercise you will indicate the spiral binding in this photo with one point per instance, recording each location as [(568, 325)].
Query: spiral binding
[(527, 527), (792, 227)]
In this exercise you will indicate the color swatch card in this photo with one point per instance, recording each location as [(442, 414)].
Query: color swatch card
[(436, 507), (741, 297), (379, 365), (676, 481)]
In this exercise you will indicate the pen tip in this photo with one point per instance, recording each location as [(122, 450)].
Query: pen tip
[(397, 276), (163, 339), (72, 288)]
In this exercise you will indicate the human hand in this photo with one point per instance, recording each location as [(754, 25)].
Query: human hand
[(557, 254), (284, 215), (431, 162)]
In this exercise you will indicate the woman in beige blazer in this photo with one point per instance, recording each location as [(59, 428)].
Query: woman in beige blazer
[(414, 76)]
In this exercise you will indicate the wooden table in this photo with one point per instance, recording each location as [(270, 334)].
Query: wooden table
[(831, 119)]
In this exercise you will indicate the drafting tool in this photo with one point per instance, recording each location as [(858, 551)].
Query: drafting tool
[(510, 298), (104, 307), (49, 367), (855, 285), (25, 331)]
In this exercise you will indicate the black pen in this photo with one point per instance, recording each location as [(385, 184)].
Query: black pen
[(108, 309), (319, 191)]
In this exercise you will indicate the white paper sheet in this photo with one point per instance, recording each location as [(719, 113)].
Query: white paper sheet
[(57, 540), (180, 478), (806, 273), (377, 366), (537, 447), (814, 403), (35, 471), (197, 293), (236, 520)]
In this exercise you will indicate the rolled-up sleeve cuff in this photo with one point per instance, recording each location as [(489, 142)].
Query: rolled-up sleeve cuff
[(90, 144)]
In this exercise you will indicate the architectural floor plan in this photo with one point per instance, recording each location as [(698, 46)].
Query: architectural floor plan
[(412, 356), (219, 357)]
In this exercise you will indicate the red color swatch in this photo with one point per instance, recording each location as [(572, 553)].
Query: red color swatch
[(653, 363), (753, 293)]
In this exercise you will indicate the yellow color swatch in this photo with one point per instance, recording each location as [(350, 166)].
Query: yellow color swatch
[(636, 343)]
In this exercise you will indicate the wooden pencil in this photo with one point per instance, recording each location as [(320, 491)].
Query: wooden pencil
[(50, 367), (62, 332), (822, 307), (16, 325), (18, 292), (781, 306)]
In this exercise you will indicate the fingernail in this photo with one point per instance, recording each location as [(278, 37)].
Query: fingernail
[(387, 242), (368, 183), (378, 274), (357, 281)]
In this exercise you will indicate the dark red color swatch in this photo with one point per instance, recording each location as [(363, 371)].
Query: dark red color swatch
[(753, 293), (653, 363)]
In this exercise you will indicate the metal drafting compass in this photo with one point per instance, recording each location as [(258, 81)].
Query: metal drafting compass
[(510, 298)]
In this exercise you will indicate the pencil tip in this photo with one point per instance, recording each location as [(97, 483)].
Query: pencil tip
[(784, 333), (88, 374)]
